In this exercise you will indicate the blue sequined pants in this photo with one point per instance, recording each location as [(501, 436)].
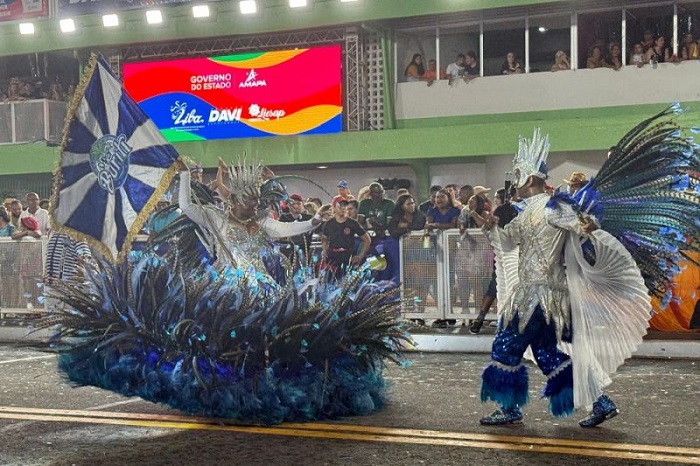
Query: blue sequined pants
[(505, 380)]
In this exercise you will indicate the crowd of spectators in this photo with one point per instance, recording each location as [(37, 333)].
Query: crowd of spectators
[(19, 89), (651, 49)]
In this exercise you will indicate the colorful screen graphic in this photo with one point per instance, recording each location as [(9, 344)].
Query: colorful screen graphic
[(291, 92)]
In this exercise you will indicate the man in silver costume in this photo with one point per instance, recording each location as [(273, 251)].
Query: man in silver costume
[(537, 260)]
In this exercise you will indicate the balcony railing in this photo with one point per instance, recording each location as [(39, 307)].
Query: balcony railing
[(31, 120), (562, 90)]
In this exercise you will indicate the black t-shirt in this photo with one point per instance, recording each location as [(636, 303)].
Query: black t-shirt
[(342, 235), (505, 214)]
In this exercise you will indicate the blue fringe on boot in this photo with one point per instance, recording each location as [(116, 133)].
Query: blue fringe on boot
[(508, 388), (560, 391)]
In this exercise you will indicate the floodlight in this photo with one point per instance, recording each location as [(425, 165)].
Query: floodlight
[(154, 17), (200, 11), (26, 28), (248, 7), (67, 25), (110, 21)]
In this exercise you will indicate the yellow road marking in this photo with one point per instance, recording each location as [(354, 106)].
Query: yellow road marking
[(679, 455)]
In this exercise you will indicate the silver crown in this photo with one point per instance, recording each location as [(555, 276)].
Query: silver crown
[(531, 159)]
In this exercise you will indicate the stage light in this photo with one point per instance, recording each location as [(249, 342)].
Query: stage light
[(26, 28), (297, 3), (542, 29), (110, 21), (67, 25), (154, 17), (248, 7), (200, 11)]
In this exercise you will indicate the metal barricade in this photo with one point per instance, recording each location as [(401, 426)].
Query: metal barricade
[(445, 275), (21, 271)]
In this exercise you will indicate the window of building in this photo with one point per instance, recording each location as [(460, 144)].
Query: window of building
[(409, 43), (547, 36), (500, 39), (653, 22), (457, 40), (688, 24), (597, 30)]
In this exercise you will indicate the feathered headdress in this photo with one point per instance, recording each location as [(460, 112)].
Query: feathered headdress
[(531, 159), (647, 195), (245, 178)]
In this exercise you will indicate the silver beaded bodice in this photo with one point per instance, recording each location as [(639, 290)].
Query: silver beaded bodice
[(540, 233)]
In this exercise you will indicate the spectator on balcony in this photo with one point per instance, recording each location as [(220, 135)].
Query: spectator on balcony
[(690, 50), (596, 58), (16, 209), (455, 70), (615, 57), (27, 91), (471, 66), (415, 70), (12, 89), (648, 41), (658, 53), (510, 65), (637, 55), (561, 61), (33, 210), (6, 227), (426, 206), (431, 74), (55, 92)]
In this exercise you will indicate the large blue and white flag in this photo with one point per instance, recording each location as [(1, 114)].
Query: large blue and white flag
[(114, 165)]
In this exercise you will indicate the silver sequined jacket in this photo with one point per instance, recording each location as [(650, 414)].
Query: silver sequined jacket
[(530, 267)]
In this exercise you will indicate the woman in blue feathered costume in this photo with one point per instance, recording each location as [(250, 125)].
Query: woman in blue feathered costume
[(246, 336)]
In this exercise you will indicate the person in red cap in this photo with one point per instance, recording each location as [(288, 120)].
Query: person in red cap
[(28, 227)]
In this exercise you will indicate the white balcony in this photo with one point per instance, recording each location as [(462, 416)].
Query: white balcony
[(31, 120), (562, 90)]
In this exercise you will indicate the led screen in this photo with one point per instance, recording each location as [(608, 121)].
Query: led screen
[(290, 92)]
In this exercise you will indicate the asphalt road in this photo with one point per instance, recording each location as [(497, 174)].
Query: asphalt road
[(432, 419)]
